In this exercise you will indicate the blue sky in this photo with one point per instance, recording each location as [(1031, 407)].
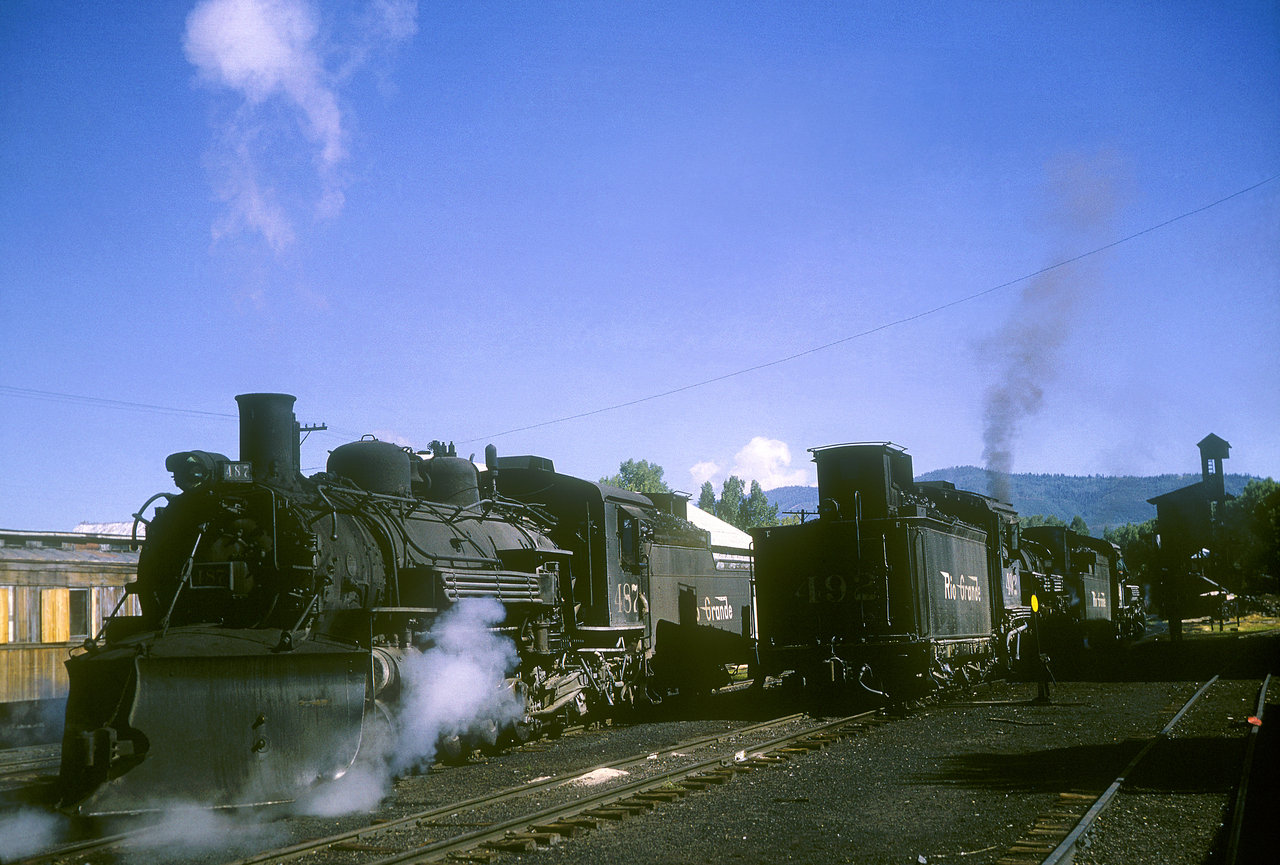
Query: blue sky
[(450, 221)]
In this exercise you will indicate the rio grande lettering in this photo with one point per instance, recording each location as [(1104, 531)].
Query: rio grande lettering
[(715, 610), (960, 587)]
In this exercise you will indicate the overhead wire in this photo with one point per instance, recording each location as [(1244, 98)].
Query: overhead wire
[(56, 396), (884, 326)]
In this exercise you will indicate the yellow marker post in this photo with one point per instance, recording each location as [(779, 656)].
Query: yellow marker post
[(1042, 691)]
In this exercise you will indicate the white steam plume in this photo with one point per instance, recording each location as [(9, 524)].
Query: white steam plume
[(27, 832), (768, 461), (456, 683), (193, 829), (703, 471), (453, 688), (272, 55)]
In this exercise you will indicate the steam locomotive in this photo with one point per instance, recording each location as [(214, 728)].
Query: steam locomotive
[(281, 616), (900, 588), (1086, 596), (278, 613)]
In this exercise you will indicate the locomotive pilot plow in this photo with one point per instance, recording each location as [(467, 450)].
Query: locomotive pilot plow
[(209, 716)]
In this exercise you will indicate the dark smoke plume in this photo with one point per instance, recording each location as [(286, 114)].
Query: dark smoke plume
[(1024, 354)]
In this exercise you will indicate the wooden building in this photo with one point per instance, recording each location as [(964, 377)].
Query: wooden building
[(56, 588)]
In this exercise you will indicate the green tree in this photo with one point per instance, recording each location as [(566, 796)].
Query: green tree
[(707, 498), (756, 510), (1249, 537), (1041, 520), (640, 477), (1137, 543), (729, 508), (1078, 525)]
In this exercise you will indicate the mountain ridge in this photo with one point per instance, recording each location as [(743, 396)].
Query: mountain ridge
[(1103, 501)]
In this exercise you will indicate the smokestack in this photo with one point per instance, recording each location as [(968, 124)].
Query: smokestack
[(269, 437)]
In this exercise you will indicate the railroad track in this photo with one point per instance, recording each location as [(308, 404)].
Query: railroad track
[(1241, 803), (1057, 836), (472, 826), (28, 760), (370, 842), (27, 768)]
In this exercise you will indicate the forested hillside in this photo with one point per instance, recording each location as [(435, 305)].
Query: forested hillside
[(1102, 501)]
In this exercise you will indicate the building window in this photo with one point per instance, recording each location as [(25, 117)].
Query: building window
[(79, 612)]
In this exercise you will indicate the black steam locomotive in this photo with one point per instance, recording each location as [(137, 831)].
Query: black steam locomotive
[(278, 612), (1085, 595), (902, 587)]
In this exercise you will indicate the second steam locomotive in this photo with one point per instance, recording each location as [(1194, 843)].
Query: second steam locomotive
[(902, 587)]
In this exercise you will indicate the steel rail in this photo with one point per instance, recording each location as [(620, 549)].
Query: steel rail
[(86, 846), (624, 794), (16, 761), (1065, 851), (1242, 791), (305, 847)]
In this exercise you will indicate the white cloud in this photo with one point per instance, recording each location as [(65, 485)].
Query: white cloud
[(703, 472), (270, 53), (768, 461)]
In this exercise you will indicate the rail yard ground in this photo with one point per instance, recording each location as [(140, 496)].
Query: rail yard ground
[(968, 780), (965, 782)]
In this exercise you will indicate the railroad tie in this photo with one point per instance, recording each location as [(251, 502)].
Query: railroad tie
[(566, 828), (365, 847), (659, 796), (1048, 830), (516, 843), (621, 810), (545, 837), (557, 828)]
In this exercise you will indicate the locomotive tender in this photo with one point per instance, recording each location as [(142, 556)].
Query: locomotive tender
[(903, 587), (278, 612)]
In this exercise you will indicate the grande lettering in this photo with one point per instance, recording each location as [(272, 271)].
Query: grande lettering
[(715, 610)]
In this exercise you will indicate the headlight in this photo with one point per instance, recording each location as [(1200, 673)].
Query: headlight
[(194, 469)]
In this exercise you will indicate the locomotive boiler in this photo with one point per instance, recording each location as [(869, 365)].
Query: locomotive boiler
[(279, 613)]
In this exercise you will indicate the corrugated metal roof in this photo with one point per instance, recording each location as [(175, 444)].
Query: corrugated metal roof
[(53, 555), (65, 548), (123, 530), (722, 534)]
